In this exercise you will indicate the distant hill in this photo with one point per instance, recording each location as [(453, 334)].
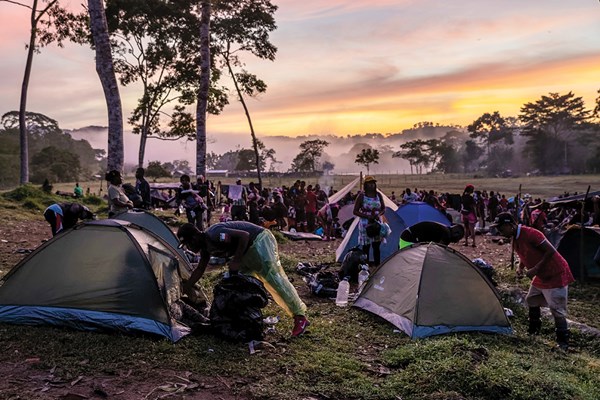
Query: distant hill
[(342, 150)]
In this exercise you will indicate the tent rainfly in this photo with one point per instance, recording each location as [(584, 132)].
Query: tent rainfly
[(106, 275), (428, 289)]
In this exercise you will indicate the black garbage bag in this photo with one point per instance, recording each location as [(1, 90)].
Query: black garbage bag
[(351, 263), (236, 310)]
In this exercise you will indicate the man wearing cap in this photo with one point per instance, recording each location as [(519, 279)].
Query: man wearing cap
[(551, 274), (252, 250)]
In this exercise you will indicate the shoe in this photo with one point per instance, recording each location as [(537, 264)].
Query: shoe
[(300, 325)]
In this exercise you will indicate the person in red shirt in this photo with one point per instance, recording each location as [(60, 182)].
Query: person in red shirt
[(311, 208), (550, 272)]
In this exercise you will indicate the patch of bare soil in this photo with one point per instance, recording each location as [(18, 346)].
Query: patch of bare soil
[(25, 380)]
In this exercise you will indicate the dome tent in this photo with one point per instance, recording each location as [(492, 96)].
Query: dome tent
[(151, 222), (106, 275), (428, 289)]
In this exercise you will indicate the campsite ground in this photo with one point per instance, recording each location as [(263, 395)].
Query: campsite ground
[(348, 354)]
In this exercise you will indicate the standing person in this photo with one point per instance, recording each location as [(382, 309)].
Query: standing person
[(118, 202), (550, 272), (142, 187), (203, 186), (369, 207), (254, 252), (63, 216), (480, 208), (311, 208), (469, 214), (493, 205), (191, 201), (239, 199), (539, 217), (326, 217)]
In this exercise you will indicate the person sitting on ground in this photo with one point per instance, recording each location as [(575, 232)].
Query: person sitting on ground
[(78, 190), (118, 202), (549, 271), (254, 252), (63, 216)]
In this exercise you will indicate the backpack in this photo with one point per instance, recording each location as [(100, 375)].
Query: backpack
[(351, 263), (236, 311)]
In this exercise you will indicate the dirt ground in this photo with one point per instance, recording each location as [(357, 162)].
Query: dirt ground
[(25, 379)]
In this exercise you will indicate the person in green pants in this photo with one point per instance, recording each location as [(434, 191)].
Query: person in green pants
[(253, 251)]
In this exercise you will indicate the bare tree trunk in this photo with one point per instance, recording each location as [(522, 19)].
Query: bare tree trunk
[(106, 73), (202, 103), (23, 134), (142, 150), (254, 142)]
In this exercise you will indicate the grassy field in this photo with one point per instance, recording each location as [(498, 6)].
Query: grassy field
[(538, 186), (349, 354)]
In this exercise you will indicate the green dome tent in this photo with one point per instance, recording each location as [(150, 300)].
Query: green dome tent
[(106, 275), (428, 289)]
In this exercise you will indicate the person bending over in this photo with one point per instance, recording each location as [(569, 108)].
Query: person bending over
[(253, 251)]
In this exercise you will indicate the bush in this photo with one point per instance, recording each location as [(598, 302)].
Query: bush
[(25, 192)]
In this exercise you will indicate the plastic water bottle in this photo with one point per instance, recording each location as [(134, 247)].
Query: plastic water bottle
[(343, 292), (363, 277)]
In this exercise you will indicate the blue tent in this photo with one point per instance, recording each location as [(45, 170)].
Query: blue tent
[(418, 211)]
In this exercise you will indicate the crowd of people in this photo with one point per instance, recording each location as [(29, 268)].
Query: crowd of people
[(243, 232)]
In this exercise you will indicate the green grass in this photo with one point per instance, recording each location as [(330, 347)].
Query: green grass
[(349, 354)]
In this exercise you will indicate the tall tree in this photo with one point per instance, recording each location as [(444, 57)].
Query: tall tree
[(40, 34), (367, 157), (235, 35), (310, 152), (489, 129), (106, 73), (202, 104), (550, 123)]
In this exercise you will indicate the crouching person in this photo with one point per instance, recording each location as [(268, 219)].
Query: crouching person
[(63, 216), (254, 252), (550, 272)]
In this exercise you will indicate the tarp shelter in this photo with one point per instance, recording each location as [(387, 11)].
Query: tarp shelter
[(389, 247), (570, 247), (340, 194), (106, 275), (155, 225), (429, 289)]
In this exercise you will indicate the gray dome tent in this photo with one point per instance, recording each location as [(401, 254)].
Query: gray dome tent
[(151, 222), (100, 275), (428, 289)]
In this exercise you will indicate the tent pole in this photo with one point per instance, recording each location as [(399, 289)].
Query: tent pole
[(581, 247)]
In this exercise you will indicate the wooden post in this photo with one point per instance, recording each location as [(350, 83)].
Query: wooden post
[(581, 239), (512, 251)]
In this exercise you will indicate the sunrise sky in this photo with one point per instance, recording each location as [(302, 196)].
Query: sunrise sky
[(356, 66)]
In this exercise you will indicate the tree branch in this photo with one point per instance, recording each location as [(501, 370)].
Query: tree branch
[(17, 3)]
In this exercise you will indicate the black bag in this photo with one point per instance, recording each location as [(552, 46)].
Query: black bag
[(351, 263), (373, 229), (236, 313)]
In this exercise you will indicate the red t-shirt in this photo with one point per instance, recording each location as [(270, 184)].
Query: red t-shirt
[(311, 202), (555, 274)]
